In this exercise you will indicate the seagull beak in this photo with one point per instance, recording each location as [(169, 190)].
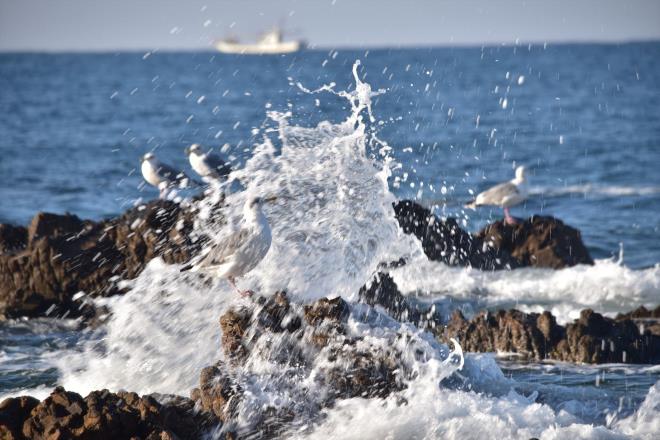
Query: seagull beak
[(187, 151)]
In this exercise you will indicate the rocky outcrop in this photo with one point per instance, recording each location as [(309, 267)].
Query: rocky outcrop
[(309, 343), (630, 338), (592, 338), (43, 266), (445, 241), (101, 415), (539, 241)]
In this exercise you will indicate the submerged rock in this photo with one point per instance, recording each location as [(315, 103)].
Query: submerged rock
[(101, 415), (57, 256)]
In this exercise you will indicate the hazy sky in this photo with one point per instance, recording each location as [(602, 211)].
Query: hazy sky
[(56, 25)]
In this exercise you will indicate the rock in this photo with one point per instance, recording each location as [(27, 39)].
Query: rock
[(592, 338), (309, 343), (640, 313), (12, 414), (382, 291), (43, 267), (12, 238), (444, 240), (539, 241), (101, 415)]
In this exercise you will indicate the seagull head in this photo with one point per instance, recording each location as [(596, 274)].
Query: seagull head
[(148, 156), (520, 173), (194, 149), (257, 202)]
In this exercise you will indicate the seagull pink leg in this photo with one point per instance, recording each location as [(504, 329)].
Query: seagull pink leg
[(243, 293), (507, 217)]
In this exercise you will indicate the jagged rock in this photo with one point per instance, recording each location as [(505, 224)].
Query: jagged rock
[(539, 241), (444, 240), (12, 414), (382, 291), (101, 415), (640, 313), (12, 238), (43, 267), (592, 338), (303, 343)]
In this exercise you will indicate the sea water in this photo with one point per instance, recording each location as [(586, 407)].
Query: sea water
[(322, 144)]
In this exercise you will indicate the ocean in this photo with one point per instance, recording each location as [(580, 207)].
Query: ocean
[(440, 125)]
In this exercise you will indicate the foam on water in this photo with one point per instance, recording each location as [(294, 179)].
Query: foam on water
[(332, 227), (608, 287)]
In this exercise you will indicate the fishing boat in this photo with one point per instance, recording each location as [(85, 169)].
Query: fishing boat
[(269, 43)]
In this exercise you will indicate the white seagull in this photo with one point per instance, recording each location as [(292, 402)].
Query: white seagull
[(207, 165), (161, 175), (239, 253), (505, 195)]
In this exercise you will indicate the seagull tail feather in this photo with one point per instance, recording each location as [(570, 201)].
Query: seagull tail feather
[(186, 268)]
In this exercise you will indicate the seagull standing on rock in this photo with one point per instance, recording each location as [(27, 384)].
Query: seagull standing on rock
[(207, 165), (161, 175), (239, 253), (505, 195)]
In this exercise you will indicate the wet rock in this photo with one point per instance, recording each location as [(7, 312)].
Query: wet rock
[(382, 291), (12, 238), (57, 256), (539, 241), (592, 338), (444, 240), (102, 415), (640, 313), (300, 344), (12, 414)]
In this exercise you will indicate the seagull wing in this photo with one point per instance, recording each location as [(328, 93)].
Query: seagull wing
[(218, 165), (172, 175), (222, 251), (497, 194)]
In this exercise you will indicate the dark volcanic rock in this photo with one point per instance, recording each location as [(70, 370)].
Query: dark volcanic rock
[(382, 291), (539, 241), (12, 238), (41, 268), (101, 415), (591, 339), (302, 343), (444, 240)]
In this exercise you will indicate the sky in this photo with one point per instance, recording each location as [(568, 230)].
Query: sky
[(110, 25)]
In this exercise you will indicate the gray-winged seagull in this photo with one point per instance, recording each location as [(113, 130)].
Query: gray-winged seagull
[(207, 164), (239, 253), (161, 175), (505, 195)]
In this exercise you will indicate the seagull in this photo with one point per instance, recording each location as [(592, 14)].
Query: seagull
[(161, 175), (239, 253), (207, 165), (505, 194)]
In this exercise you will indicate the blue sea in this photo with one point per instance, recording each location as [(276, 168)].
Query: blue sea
[(583, 118)]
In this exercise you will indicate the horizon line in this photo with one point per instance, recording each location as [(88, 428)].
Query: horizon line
[(313, 47)]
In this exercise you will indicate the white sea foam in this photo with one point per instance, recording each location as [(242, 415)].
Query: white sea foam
[(608, 287), (592, 189)]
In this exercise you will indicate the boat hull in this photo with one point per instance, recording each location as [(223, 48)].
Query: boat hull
[(258, 49)]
